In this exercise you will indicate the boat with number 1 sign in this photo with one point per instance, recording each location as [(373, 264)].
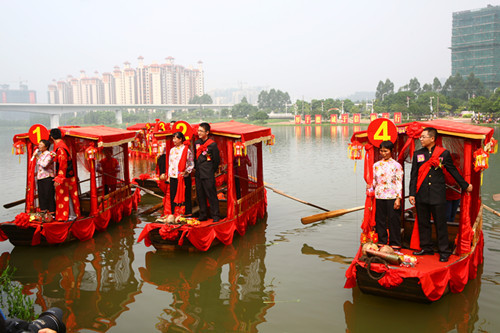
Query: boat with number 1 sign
[(93, 191), (399, 273), (239, 183)]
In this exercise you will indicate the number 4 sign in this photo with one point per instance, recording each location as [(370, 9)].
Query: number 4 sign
[(382, 130)]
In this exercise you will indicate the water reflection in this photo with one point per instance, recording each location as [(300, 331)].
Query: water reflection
[(455, 312), (222, 290), (91, 281), (317, 131), (308, 131), (333, 132)]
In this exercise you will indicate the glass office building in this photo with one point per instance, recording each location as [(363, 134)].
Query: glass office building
[(475, 44)]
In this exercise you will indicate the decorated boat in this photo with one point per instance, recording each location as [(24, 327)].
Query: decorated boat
[(145, 145), (102, 198), (423, 278), (240, 187)]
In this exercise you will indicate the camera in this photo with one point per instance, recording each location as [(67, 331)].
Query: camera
[(52, 318)]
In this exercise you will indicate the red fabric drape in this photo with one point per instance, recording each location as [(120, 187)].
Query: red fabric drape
[(202, 236), (413, 131), (369, 212), (464, 239)]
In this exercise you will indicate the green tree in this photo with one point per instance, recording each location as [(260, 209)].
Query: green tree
[(243, 109), (384, 88), (203, 99)]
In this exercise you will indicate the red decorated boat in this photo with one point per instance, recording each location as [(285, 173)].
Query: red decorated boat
[(429, 279), (240, 186), (101, 197), (145, 145)]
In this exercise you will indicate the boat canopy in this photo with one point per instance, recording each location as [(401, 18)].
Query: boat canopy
[(249, 134), (105, 136)]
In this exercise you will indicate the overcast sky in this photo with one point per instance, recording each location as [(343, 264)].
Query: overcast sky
[(310, 49)]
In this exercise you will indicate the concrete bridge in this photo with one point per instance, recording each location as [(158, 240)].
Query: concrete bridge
[(56, 110)]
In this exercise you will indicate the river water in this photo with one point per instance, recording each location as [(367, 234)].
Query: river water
[(281, 276)]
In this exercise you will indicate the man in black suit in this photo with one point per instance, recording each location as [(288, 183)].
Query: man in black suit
[(428, 191), (207, 161)]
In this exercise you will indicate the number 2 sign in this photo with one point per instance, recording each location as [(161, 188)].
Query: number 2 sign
[(380, 130), (38, 132), (184, 128)]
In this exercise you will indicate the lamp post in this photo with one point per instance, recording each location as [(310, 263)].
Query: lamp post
[(383, 95), (430, 105)]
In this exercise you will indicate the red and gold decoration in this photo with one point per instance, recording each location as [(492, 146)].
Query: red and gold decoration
[(370, 236), (91, 152), (239, 151), (481, 161), (18, 148), (355, 152)]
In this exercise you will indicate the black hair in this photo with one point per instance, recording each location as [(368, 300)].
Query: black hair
[(179, 135), (205, 126), (46, 143), (432, 132), (55, 133), (387, 144)]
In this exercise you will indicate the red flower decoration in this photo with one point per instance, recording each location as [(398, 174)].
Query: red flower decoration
[(414, 131), (22, 220), (144, 176), (168, 232)]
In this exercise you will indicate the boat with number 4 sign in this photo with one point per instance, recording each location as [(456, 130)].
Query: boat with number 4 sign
[(400, 274), (239, 183), (92, 185)]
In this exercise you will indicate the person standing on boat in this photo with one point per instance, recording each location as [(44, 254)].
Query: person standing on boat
[(45, 177), (428, 192), (180, 165), (206, 164), (388, 185), (67, 202), (109, 168)]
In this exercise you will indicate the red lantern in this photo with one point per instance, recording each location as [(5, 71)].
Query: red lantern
[(19, 148), (491, 147), (271, 141), (239, 149), (154, 147), (91, 152), (480, 160), (355, 150)]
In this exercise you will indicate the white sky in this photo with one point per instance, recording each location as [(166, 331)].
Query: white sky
[(310, 49)]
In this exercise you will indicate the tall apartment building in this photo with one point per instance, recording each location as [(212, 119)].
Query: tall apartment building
[(475, 44), (166, 83)]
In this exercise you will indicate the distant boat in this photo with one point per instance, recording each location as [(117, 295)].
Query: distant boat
[(98, 209)]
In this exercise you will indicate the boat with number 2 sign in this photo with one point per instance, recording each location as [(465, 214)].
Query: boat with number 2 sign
[(92, 185), (400, 274), (239, 184)]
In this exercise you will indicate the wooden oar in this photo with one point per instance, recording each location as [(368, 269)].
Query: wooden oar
[(491, 210), (15, 203), (147, 191), (152, 209), (328, 215), (286, 195)]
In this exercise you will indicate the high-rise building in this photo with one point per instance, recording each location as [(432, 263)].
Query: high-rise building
[(166, 83), (475, 44)]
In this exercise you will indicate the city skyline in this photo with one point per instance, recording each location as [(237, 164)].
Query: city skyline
[(318, 49)]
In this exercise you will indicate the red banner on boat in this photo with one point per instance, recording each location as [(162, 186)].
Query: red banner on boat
[(382, 130)]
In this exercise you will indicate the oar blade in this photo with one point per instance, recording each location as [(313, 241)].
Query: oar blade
[(328, 215)]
